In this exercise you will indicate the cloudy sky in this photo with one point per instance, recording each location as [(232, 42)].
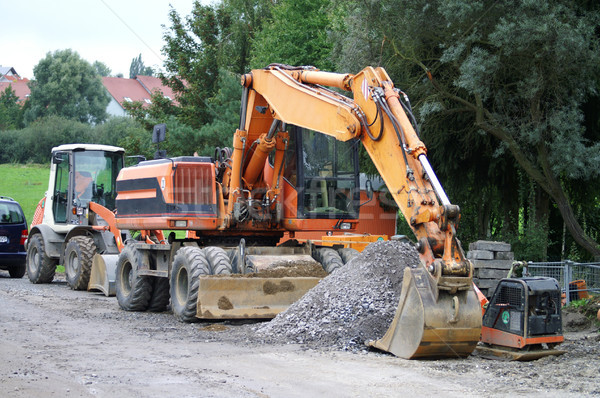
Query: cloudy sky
[(110, 31)]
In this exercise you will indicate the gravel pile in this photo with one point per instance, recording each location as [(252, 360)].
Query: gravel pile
[(354, 304)]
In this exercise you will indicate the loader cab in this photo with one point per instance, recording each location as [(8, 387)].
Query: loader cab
[(325, 174), (83, 173)]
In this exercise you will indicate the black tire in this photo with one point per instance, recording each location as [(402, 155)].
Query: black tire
[(347, 254), (329, 259), (133, 291), (78, 261), (17, 271), (40, 267), (160, 295), (219, 261), (189, 264)]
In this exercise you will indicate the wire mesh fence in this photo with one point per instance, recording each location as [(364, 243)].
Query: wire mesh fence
[(578, 280)]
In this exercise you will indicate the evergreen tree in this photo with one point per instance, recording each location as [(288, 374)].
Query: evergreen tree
[(137, 67)]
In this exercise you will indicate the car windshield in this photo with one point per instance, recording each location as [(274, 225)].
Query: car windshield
[(10, 213)]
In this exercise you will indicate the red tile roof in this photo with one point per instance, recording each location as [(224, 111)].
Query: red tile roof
[(139, 89), (20, 88), (121, 89), (152, 84)]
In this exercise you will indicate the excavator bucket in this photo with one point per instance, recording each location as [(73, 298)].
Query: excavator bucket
[(248, 297), (280, 276), (104, 274), (429, 323)]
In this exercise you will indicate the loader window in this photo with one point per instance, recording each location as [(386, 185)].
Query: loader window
[(328, 176), (61, 188), (95, 177)]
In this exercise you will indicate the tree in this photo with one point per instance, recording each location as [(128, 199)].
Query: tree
[(137, 67), (11, 114), (211, 39), (297, 34), (225, 109), (239, 22), (101, 68), (519, 71), (67, 85), (158, 111), (191, 64)]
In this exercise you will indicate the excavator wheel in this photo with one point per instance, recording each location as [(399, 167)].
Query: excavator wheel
[(40, 267), (160, 295), (219, 261), (133, 291), (329, 259), (347, 254), (189, 264), (78, 261)]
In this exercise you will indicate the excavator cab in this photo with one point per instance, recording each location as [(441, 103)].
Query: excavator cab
[(324, 173)]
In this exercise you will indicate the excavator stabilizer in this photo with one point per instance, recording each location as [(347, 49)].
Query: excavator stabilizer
[(249, 297), (104, 274), (431, 323)]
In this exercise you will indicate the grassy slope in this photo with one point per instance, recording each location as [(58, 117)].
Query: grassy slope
[(24, 183)]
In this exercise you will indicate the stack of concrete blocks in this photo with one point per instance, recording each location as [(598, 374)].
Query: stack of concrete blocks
[(492, 261)]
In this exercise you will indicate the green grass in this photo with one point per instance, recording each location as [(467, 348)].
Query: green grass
[(24, 183)]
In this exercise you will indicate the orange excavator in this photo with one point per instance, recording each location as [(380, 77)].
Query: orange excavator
[(293, 167)]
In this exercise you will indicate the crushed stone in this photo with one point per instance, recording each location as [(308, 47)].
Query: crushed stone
[(354, 304)]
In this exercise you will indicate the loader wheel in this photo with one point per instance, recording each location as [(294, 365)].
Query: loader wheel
[(329, 259), (347, 254), (189, 264), (219, 261), (133, 291), (160, 295), (40, 267), (78, 261)]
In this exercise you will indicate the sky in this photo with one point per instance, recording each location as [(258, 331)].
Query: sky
[(110, 31)]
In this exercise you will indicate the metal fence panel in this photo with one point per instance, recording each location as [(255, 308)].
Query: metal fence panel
[(568, 274)]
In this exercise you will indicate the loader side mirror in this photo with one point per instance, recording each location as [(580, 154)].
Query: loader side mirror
[(159, 133), (59, 157)]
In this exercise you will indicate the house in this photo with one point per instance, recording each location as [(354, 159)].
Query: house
[(131, 90), (20, 88), (10, 77), (8, 74)]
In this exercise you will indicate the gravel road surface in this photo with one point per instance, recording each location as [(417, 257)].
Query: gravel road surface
[(56, 342)]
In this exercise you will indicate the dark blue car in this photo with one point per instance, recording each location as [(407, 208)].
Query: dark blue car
[(13, 232)]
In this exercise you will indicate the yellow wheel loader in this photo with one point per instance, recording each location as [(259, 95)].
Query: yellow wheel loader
[(73, 221)]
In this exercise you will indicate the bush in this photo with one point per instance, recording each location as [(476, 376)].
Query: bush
[(34, 143)]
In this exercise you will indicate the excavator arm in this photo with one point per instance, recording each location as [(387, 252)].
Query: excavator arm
[(375, 117), (438, 313)]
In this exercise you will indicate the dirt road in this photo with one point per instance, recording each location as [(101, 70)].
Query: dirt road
[(56, 342)]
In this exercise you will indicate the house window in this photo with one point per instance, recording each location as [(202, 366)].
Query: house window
[(167, 97), (127, 99), (147, 100)]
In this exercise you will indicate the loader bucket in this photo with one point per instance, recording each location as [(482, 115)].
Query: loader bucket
[(248, 297), (104, 274), (425, 326)]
